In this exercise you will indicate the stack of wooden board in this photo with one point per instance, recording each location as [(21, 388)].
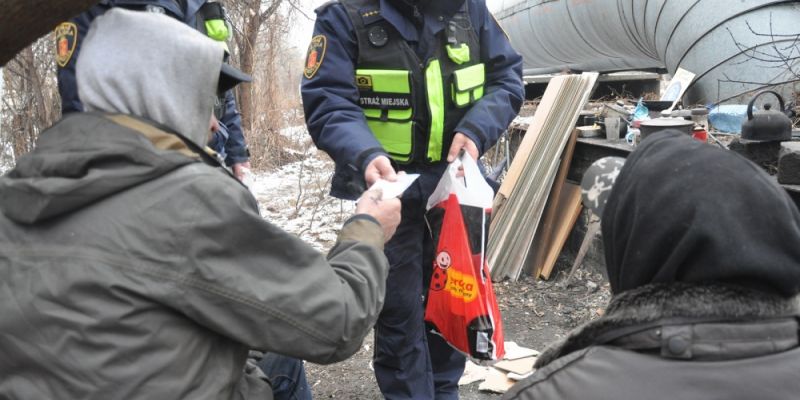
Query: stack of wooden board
[(522, 197)]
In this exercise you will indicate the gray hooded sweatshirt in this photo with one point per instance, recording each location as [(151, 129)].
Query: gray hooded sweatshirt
[(131, 269), (127, 67)]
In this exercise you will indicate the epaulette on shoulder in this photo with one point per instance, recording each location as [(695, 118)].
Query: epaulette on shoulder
[(326, 5)]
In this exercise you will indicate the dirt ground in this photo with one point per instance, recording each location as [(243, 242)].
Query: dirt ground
[(534, 314)]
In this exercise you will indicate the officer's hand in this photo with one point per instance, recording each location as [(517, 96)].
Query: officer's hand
[(462, 141), (240, 170), (387, 212), (381, 168)]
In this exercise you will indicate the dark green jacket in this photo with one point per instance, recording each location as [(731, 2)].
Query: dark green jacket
[(132, 272), (676, 341)]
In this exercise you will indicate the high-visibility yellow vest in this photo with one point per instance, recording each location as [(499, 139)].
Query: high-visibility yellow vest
[(413, 106)]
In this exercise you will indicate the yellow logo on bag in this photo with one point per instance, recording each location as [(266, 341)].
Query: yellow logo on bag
[(462, 286)]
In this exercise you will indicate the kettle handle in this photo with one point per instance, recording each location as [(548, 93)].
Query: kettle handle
[(753, 100)]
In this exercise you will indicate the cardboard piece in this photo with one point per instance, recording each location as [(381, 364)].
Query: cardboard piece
[(520, 366), (496, 382), (515, 351), (518, 377), (473, 373)]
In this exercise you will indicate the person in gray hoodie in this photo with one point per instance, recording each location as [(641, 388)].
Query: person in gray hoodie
[(118, 276)]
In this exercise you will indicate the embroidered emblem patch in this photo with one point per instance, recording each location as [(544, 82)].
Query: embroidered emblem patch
[(66, 37), (315, 56), (364, 82)]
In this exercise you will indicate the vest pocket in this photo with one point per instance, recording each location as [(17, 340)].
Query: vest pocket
[(468, 84), (395, 137), (385, 98)]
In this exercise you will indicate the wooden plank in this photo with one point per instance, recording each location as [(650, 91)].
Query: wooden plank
[(545, 238), (568, 211), (519, 216), (532, 136)]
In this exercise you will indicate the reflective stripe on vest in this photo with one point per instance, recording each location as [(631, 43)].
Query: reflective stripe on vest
[(435, 88)]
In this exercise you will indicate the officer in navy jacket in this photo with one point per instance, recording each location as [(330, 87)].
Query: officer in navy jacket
[(228, 141), (405, 85)]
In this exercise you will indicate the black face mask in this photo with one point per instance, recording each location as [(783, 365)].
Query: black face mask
[(411, 8)]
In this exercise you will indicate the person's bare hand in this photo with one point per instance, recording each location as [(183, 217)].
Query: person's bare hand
[(462, 141), (379, 168), (241, 169), (387, 212)]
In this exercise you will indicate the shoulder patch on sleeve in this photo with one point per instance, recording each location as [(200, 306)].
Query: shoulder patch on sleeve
[(66, 35), (315, 56), (325, 5)]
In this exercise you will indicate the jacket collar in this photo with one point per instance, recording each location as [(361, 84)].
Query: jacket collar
[(653, 307), (435, 13)]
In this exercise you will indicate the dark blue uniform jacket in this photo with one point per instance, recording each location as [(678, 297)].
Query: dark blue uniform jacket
[(330, 98), (229, 140)]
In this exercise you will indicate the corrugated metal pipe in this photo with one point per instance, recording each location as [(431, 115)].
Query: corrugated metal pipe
[(735, 47)]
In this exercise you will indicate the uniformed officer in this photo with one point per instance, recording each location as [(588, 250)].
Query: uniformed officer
[(406, 85), (207, 17)]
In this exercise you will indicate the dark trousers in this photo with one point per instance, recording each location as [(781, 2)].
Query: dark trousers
[(287, 376), (409, 362)]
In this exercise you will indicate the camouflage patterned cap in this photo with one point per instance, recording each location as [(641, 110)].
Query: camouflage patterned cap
[(597, 182)]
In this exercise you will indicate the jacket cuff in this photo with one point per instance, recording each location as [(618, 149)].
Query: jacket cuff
[(368, 155), (475, 137), (362, 228)]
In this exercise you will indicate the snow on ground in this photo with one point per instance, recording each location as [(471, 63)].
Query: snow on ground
[(295, 197), (6, 155)]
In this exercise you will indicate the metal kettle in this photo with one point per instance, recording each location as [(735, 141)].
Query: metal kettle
[(768, 125)]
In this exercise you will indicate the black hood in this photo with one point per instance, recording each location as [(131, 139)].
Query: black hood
[(684, 211), (82, 159)]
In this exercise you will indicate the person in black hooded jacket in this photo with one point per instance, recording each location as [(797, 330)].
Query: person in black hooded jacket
[(703, 258)]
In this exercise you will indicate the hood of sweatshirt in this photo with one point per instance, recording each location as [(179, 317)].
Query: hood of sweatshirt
[(151, 66)]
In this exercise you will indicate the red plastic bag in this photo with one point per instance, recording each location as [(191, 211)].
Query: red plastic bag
[(461, 305)]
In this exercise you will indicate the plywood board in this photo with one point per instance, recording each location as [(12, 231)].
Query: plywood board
[(545, 237), (567, 212), (516, 222), (532, 136)]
